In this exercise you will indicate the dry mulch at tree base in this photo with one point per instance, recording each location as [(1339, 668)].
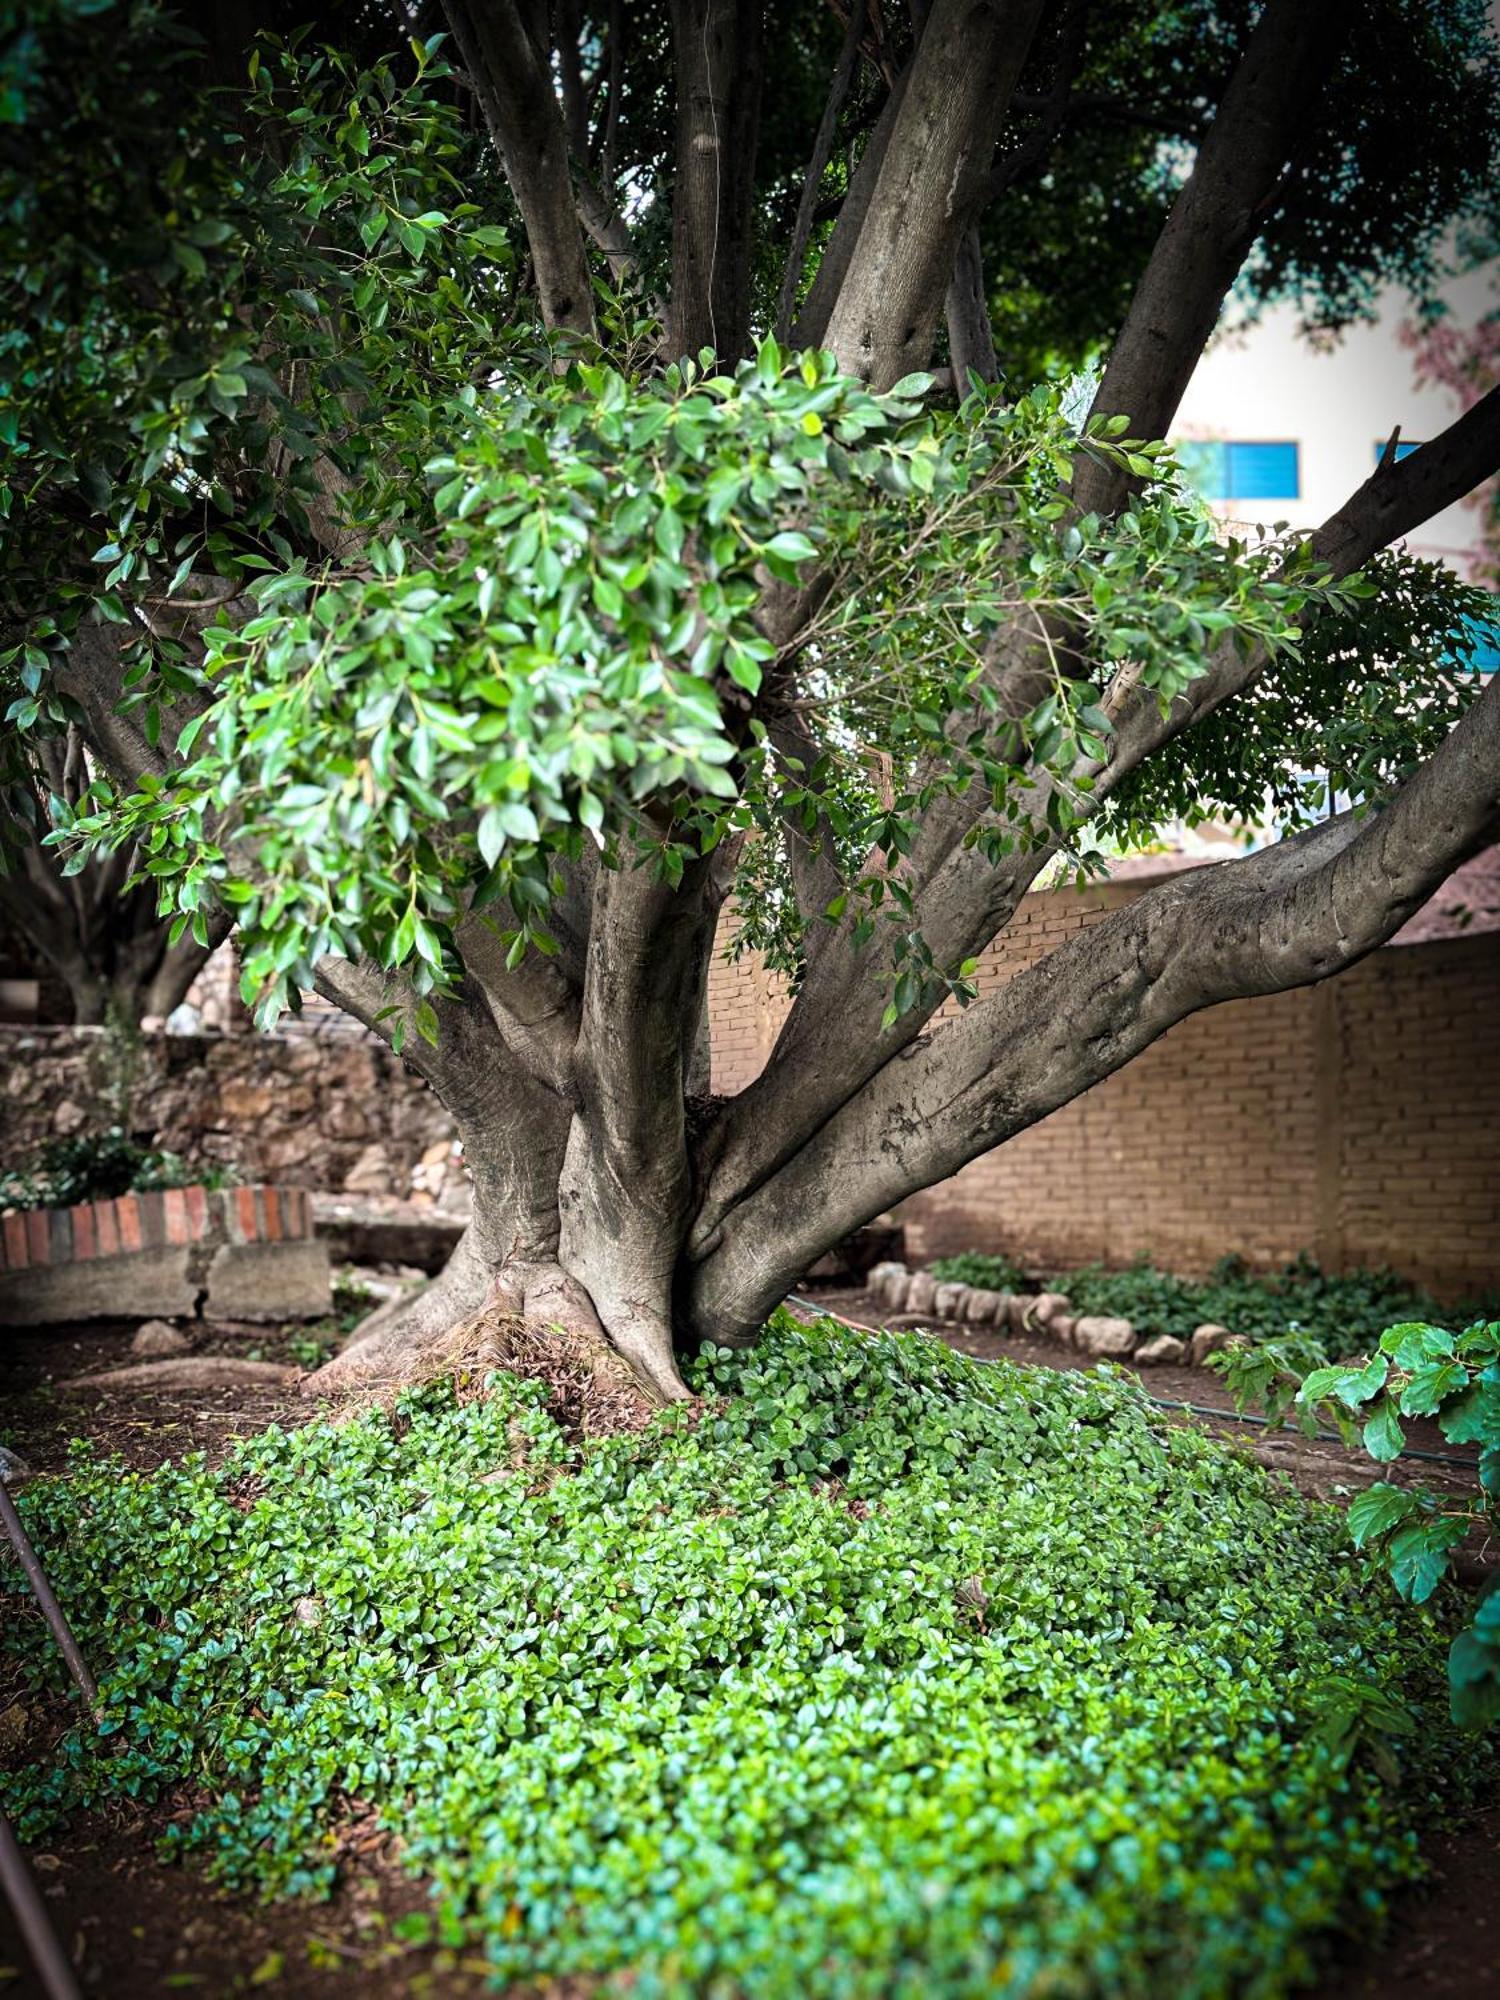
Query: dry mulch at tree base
[(136, 1926)]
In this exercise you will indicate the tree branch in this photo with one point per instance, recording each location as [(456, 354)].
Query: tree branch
[(811, 329), (626, 1181), (1284, 917), (1268, 110), (843, 78), (1396, 499), (600, 215), (717, 47), (931, 179), (510, 77), (831, 1043), (971, 342)]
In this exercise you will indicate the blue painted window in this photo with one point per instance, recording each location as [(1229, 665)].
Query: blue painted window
[(1241, 469), (1485, 635), (1404, 448)]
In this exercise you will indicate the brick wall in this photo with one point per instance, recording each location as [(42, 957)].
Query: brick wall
[(1358, 1121)]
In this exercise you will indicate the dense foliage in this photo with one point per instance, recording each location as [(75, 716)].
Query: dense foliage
[(880, 1672), (1416, 1371), (981, 1269), (97, 1166), (1344, 1312), (423, 611)]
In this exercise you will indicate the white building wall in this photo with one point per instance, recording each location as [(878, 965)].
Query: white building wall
[(1268, 381)]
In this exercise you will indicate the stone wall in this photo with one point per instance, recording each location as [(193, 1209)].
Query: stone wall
[(337, 1112), (1358, 1121)]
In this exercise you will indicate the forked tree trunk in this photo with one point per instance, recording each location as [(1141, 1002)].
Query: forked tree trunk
[(601, 1281)]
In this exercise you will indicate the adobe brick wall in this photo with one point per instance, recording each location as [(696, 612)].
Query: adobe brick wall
[(235, 1253), (150, 1221), (1358, 1121)]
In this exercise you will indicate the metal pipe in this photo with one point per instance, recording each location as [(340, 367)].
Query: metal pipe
[(47, 1955), (52, 1611)]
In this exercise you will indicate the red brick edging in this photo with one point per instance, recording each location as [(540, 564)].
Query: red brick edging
[(50, 1236)]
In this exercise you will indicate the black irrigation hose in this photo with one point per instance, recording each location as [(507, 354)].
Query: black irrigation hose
[(1170, 1402)]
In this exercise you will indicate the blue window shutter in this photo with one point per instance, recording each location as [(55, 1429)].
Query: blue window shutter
[(1267, 471), (1484, 636), (1404, 448)]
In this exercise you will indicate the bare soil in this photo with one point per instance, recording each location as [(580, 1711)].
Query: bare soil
[(136, 1926)]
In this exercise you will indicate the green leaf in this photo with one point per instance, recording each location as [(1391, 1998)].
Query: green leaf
[(670, 533), (1383, 1434), (1377, 1510), (1413, 1342), (1432, 1385), (1418, 1556), (791, 545)]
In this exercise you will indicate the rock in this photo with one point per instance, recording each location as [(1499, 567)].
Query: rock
[(897, 1289), (1163, 1352), (153, 1282), (371, 1173), (889, 1282), (1104, 1338), (921, 1293), (982, 1308), (949, 1300), (1017, 1306), (157, 1339), (308, 1611), (1046, 1306), (243, 1103), (1062, 1328), (13, 1468), (69, 1118), (357, 1234), (270, 1281), (1206, 1340)]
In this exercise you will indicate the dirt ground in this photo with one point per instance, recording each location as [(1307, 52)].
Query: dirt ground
[(137, 1927)]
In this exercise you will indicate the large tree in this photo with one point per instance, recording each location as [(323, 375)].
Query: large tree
[(486, 506), (90, 919)]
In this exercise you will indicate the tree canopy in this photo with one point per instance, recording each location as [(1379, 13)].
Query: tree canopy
[(484, 501)]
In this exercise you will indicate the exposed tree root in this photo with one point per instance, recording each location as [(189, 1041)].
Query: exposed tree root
[(191, 1371), (532, 1319), (590, 1390)]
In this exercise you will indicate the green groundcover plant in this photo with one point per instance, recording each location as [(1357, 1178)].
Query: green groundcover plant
[(1344, 1312), (875, 1671)]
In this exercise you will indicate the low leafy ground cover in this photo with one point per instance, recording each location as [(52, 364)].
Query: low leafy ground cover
[(1345, 1313), (876, 1672), (97, 1166)]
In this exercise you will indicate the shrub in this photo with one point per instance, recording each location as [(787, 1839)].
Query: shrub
[(985, 1273), (1416, 1371), (1345, 1314), (878, 1672), (97, 1166)]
